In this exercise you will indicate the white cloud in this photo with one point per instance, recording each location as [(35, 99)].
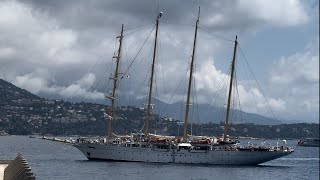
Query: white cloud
[(34, 37), (275, 12), (48, 48), (76, 91), (6, 52), (39, 82), (35, 81), (208, 76), (298, 68), (87, 80), (252, 100), (211, 81), (247, 13), (296, 80)]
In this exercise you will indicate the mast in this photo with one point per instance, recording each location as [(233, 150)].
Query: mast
[(151, 78), (226, 126), (190, 80), (115, 79)]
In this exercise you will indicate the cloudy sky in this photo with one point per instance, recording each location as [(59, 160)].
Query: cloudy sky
[(64, 49)]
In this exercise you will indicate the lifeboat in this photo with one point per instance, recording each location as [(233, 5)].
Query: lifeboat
[(159, 141), (202, 142)]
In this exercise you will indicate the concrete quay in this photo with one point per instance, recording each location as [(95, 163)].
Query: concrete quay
[(3, 165), (17, 169)]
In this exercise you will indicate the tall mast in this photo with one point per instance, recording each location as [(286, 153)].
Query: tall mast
[(115, 79), (190, 80), (230, 90), (151, 78)]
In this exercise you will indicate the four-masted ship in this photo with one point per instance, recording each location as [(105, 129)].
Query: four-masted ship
[(169, 149)]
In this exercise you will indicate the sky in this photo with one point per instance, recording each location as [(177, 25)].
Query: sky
[(64, 49)]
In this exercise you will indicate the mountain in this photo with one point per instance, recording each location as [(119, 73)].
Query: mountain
[(23, 113), (10, 92), (202, 113), (205, 113)]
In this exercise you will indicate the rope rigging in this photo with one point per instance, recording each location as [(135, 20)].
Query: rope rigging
[(216, 35), (238, 97), (100, 60), (258, 85), (218, 88), (126, 71)]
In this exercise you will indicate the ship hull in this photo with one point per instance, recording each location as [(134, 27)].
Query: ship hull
[(183, 156)]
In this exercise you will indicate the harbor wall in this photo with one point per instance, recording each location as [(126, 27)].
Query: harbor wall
[(18, 169)]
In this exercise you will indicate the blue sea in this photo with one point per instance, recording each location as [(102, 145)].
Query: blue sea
[(51, 160)]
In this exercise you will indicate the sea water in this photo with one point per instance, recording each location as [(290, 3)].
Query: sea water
[(51, 160)]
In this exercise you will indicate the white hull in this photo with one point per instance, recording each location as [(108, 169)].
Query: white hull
[(140, 154)]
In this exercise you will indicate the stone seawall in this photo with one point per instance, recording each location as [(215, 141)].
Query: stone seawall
[(18, 169)]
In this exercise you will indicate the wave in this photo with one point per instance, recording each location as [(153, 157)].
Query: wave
[(300, 159)]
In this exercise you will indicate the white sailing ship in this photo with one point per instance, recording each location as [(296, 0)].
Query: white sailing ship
[(148, 147)]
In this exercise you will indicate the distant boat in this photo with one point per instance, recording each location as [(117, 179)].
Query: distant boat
[(32, 137), (309, 142), (146, 147)]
